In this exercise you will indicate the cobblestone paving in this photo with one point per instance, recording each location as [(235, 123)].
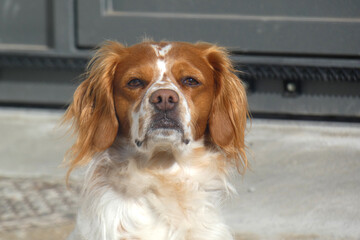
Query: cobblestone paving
[(28, 203)]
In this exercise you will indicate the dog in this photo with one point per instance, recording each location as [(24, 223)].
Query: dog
[(160, 127)]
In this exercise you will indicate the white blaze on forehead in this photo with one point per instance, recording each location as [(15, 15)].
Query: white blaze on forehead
[(162, 66), (161, 51), (161, 63)]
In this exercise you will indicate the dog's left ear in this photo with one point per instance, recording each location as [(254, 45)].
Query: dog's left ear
[(227, 121)]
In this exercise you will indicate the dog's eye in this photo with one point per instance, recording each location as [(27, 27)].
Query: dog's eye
[(190, 81), (135, 83)]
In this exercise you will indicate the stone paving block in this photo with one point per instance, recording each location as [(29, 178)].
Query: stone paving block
[(33, 203)]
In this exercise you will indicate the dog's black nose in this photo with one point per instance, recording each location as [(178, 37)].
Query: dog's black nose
[(164, 99)]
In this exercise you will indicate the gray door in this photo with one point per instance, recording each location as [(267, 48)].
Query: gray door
[(316, 27)]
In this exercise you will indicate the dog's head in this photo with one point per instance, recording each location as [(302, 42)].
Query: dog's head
[(158, 94)]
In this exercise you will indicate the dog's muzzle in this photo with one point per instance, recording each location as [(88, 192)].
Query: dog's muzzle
[(165, 102), (165, 121)]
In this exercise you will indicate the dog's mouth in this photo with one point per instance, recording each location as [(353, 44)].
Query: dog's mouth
[(164, 128), (166, 123)]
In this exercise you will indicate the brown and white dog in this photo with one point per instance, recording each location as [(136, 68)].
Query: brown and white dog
[(161, 127)]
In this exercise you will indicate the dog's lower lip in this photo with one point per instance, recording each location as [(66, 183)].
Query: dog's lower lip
[(166, 124)]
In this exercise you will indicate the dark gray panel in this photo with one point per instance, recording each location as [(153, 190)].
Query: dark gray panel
[(25, 24), (305, 105), (304, 8), (37, 86), (259, 26), (36, 93)]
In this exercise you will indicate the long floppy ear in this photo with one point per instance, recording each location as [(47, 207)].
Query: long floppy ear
[(92, 111), (227, 121)]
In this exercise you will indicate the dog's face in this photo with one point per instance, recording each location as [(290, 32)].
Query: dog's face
[(156, 94), (163, 93)]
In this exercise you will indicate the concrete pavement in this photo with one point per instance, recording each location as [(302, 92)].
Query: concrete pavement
[(304, 182)]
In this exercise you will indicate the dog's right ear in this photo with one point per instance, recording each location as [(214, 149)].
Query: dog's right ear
[(92, 111)]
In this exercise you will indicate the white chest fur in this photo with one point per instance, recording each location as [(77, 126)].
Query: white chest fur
[(122, 201)]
